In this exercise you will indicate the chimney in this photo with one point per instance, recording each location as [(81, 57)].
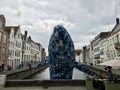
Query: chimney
[(117, 20), (25, 33), (2, 18), (84, 54), (30, 38), (25, 36)]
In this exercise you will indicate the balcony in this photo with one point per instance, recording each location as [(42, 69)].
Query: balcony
[(117, 45)]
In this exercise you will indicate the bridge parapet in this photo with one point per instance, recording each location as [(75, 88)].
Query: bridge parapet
[(46, 83), (22, 73), (101, 73)]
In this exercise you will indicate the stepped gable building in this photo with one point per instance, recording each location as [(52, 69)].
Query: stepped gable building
[(15, 44)]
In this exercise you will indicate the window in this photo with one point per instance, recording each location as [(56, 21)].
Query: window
[(15, 53), (18, 35), (16, 43), (0, 24), (12, 35), (4, 39), (3, 53), (117, 38), (0, 36), (19, 53)]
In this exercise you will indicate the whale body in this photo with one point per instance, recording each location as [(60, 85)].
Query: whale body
[(61, 54)]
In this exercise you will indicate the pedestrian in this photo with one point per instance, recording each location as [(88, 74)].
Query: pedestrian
[(19, 66), (22, 65), (29, 65), (110, 75), (8, 67), (105, 68), (2, 67)]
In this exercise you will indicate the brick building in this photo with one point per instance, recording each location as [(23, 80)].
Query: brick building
[(3, 44)]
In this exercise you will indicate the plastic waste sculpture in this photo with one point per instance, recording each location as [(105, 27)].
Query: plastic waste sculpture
[(61, 57)]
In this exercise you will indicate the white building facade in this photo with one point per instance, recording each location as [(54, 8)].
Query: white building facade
[(31, 51), (104, 49), (100, 47), (35, 52), (11, 49), (26, 48), (114, 42), (96, 51), (77, 55), (18, 47), (107, 45)]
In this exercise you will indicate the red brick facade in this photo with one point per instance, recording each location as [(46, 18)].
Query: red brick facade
[(3, 44)]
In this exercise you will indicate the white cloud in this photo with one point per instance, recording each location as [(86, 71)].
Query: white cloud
[(84, 19), (42, 29)]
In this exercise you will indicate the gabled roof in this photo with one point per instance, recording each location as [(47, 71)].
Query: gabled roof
[(102, 35), (2, 17), (8, 29), (116, 28)]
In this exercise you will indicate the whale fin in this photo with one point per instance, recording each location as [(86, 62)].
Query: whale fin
[(43, 62), (83, 68)]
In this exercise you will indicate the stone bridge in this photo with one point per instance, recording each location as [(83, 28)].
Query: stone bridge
[(101, 73)]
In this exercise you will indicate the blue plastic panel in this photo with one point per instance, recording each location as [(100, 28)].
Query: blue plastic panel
[(61, 54)]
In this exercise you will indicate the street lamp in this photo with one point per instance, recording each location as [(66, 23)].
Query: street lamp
[(35, 57), (9, 54), (22, 55), (23, 47)]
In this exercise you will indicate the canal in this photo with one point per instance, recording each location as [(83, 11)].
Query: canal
[(44, 75)]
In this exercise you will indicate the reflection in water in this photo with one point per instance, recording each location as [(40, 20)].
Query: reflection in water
[(44, 75), (78, 74)]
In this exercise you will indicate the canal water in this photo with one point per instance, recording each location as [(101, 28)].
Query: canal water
[(44, 75)]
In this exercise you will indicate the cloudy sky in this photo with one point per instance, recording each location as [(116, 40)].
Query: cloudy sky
[(83, 19)]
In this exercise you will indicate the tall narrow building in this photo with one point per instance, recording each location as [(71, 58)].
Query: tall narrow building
[(3, 44)]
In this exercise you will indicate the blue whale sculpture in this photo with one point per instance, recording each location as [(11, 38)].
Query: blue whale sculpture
[(61, 57), (61, 54)]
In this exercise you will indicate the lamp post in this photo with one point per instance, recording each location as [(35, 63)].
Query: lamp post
[(35, 57), (9, 54), (22, 56), (23, 47)]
